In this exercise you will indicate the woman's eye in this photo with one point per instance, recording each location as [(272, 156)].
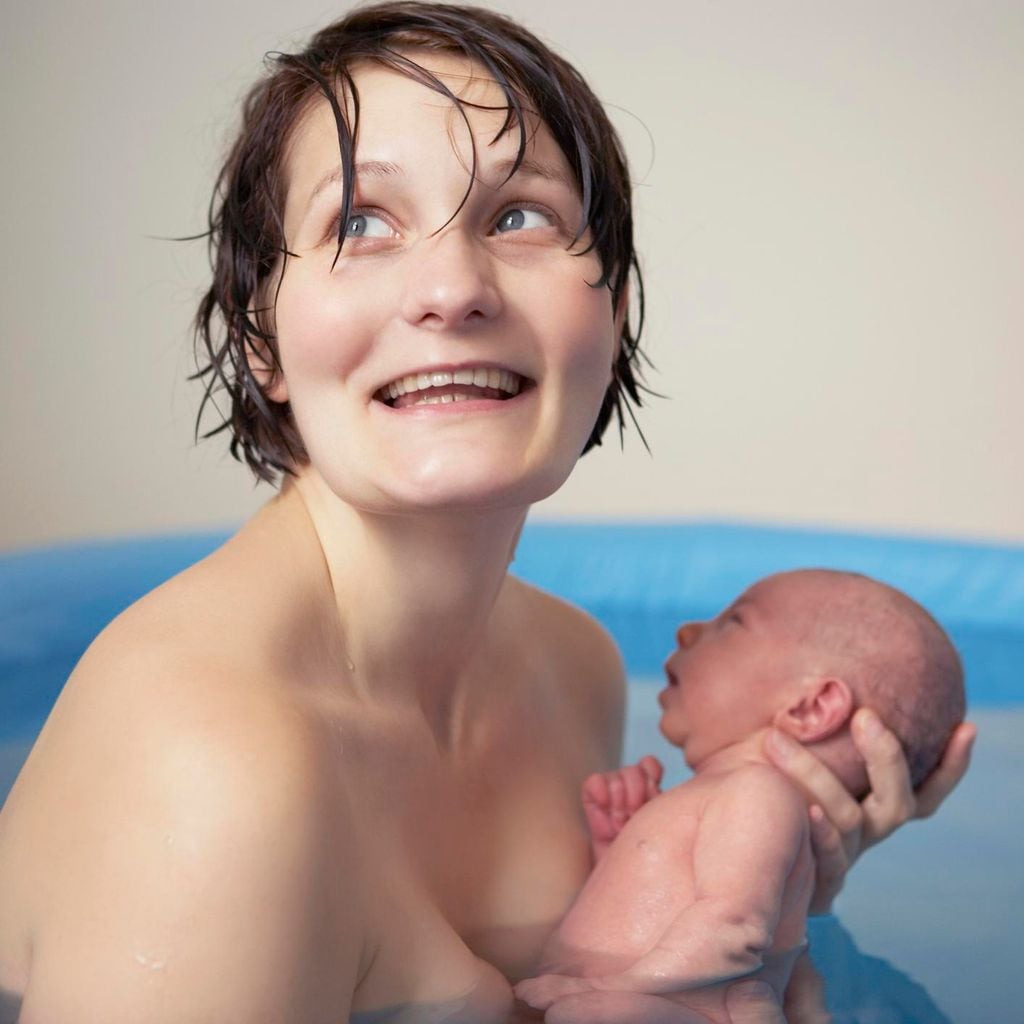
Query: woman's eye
[(519, 218), (367, 225)]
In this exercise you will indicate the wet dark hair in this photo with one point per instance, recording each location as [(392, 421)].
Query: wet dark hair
[(246, 234)]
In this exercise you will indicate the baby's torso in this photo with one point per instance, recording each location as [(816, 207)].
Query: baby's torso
[(646, 879)]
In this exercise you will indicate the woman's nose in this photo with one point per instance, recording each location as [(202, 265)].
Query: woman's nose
[(688, 634), (450, 283)]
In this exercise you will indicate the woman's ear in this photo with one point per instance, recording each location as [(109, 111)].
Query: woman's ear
[(268, 376), (621, 312), (821, 709)]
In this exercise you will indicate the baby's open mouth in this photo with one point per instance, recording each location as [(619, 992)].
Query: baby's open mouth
[(440, 387)]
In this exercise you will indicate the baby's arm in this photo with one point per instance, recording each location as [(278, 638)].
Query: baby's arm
[(610, 799), (750, 835), (749, 838)]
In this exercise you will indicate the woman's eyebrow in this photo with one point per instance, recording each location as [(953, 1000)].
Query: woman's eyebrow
[(496, 174), (503, 170), (366, 169)]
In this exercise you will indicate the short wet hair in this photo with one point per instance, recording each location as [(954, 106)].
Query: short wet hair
[(246, 234)]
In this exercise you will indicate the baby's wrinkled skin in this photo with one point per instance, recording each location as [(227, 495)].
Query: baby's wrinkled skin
[(711, 881), (707, 882)]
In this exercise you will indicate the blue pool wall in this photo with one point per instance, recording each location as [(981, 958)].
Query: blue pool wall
[(640, 580)]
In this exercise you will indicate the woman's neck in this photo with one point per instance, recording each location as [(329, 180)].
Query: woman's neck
[(414, 594)]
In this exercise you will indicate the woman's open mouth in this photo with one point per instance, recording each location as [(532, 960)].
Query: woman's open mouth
[(441, 387)]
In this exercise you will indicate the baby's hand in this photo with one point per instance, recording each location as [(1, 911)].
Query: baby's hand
[(541, 992), (610, 799)]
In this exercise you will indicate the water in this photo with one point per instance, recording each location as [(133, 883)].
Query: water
[(926, 931), (927, 927)]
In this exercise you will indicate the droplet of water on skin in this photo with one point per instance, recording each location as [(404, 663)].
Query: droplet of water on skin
[(152, 965)]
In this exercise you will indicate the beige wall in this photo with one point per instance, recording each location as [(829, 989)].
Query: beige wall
[(829, 206)]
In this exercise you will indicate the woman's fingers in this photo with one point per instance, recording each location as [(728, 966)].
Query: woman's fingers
[(841, 827), (831, 861), (891, 800), (943, 780), (820, 786)]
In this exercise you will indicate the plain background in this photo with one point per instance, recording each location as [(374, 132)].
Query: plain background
[(830, 215)]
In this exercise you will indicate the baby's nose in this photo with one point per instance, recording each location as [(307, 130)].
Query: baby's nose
[(688, 634)]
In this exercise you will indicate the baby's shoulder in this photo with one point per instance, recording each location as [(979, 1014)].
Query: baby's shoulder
[(756, 789)]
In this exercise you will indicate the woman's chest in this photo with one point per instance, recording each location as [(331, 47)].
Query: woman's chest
[(464, 881)]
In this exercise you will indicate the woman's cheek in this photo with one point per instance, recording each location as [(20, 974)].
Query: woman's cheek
[(310, 337), (590, 326)]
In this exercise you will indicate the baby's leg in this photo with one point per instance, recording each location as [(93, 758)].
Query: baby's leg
[(745, 1002), (610, 799), (621, 1008)]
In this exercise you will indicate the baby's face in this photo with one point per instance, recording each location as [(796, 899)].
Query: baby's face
[(730, 676)]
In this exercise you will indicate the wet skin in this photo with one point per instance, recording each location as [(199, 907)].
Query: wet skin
[(334, 768), (283, 779)]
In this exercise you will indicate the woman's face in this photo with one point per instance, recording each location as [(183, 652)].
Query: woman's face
[(488, 307)]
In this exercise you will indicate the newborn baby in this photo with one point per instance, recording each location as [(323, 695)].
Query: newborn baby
[(711, 880)]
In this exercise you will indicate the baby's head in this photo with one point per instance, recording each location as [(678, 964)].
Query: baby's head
[(803, 650)]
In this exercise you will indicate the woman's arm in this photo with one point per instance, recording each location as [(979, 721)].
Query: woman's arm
[(843, 828)]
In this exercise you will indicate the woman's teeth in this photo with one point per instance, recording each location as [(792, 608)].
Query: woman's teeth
[(443, 386)]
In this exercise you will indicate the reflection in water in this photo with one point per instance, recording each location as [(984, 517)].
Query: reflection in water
[(9, 1006), (862, 989)]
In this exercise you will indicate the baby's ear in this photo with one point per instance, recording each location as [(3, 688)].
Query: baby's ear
[(821, 708)]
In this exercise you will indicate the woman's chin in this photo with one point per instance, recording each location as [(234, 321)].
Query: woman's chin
[(475, 495), (477, 483), (456, 492)]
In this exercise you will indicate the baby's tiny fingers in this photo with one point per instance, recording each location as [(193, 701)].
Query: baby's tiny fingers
[(617, 796), (653, 771), (595, 790), (635, 783), (652, 767)]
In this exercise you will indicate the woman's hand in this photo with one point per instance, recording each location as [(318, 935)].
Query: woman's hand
[(843, 828)]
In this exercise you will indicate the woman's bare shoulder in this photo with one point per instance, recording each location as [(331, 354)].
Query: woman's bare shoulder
[(182, 682), (583, 655), (180, 797), (569, 630)]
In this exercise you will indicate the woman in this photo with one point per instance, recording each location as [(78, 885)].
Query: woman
[(332, 771)]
